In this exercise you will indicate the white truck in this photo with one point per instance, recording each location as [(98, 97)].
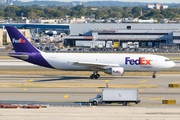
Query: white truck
[(132, 45), (91, 44), (120, 96)]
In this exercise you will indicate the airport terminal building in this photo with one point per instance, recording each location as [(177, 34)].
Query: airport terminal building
[(147, 35)]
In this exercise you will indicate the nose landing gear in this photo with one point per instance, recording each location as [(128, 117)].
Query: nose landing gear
[(154, 74)]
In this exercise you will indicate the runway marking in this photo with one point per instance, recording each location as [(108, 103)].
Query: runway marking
[(106, 80), (98, 90), (176, 82), (140, 90), (30, 80), (66, 96), (24, 89), (143, 81), (157, 98)]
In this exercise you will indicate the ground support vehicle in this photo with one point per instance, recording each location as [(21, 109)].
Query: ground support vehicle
[(120, 96)]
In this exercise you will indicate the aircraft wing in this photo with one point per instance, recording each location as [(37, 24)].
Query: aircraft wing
[(95, 65)]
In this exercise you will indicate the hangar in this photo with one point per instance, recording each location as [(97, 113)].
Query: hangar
[(146, 35)]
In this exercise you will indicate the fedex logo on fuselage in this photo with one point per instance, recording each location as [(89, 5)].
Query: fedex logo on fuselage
[(140, 61), (18, 41)]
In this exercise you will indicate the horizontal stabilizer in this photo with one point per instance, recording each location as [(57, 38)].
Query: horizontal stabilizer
[(20, 56)]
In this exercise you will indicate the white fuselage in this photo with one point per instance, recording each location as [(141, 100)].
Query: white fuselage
[(130, 62)]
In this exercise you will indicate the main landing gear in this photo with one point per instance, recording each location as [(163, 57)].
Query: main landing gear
[(154, 74), (95, 75)]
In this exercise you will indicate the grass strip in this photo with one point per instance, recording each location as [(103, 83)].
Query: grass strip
[(6, 57), (74, 73), (73, 85), (174, 58)]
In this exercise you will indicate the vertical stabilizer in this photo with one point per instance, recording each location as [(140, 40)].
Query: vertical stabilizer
[(19, 42)]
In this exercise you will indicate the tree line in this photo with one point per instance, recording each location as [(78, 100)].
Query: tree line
[(53, 11)]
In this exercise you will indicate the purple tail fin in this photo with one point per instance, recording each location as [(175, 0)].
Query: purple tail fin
[(20, 43)]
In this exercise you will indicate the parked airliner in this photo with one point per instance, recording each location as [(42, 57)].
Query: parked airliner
[(114, 64)]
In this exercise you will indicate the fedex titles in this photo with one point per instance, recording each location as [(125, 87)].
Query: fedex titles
[(140, 61), (116, 71), (18, 41)]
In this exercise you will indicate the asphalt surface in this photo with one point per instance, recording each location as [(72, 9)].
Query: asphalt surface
[(146, 95), (93, 113)]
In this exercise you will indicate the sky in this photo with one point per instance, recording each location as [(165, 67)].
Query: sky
[(160, 1)]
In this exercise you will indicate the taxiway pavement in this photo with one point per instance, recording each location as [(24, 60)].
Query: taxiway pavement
[(93, 113), (146, 95)]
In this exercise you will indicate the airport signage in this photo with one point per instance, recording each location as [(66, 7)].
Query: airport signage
[(169, 102), (173, 85)]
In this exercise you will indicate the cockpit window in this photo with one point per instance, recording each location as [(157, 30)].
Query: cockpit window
[(167, 60)]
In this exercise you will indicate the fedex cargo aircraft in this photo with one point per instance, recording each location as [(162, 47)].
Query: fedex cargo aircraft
[(114, 64)]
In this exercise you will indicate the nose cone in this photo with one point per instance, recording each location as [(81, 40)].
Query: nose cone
[(170, 64), (173, 64)]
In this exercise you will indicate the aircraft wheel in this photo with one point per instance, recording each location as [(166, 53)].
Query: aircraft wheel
[(154, 76), (92, 76), (96, 76)]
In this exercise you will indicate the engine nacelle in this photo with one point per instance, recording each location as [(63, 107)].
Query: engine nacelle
[(115, 71)]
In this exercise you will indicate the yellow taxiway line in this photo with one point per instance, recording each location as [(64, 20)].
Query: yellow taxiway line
[(176, 82), (30, 80), (66, 96), (143, 81), (106, 80), (157, 98)]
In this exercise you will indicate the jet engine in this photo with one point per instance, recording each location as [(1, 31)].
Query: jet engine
[(115, 71)]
